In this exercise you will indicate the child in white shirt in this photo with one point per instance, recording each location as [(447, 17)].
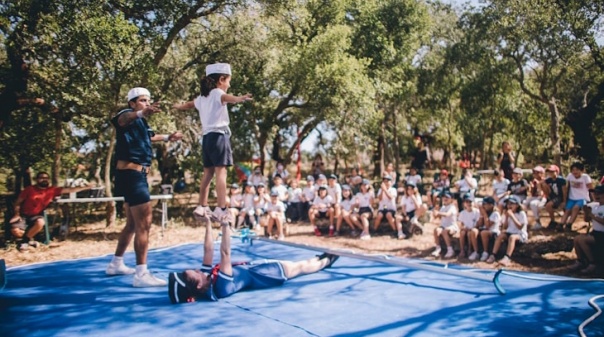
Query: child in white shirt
[(448, 225), (275, 212), (468, 231), (578, 184), (322, 208), (489, 225), (387, 203), (364, 203), (308, 195), (516, 223)]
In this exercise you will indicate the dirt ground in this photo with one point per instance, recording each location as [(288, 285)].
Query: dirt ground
[(547, 251)]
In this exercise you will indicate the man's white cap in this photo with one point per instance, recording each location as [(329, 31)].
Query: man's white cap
[(218, 68), (135, 92)]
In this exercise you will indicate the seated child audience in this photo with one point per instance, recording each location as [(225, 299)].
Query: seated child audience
[(448, 225), (364, 203), (554, 188), (590, 247), (308, 195), (468, 231), (489, 225), (295, 207), (411, 208), (386, 204), (515, 230), (262, 198), (536, 198), (235, 200), (439, 186), (275, 215), (518, 187), (466, 185), (248, 209), (413, 177), (347, 213), (500, 188), (578, 184), (322, 208)]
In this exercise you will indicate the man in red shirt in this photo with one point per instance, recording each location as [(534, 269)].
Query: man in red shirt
[(29, 208)]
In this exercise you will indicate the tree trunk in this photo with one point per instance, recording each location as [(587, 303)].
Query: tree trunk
[(378, 157), (554, 129), (56, 164)]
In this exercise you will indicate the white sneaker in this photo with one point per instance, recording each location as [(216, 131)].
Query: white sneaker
[(281, 237), (223, 217), (436, 251), (202, 212), (148, 280), (401, 236), (537, 226), (365, 237), (450, 253), (505, 261), (484, 256), (121, 269), (473, 256), (491, 259)]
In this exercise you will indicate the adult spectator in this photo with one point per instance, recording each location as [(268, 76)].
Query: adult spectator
[(318, 167), (281, 171), (420, 156), (28, 219), (506, 160)]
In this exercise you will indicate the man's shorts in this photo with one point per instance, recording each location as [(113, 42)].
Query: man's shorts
[(133, 186), (572, 203), (26, 222), (216, 150)]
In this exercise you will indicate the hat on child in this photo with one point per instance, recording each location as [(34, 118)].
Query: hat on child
[(468, 196), (310, 178), (387, 177), (446, 195), (517, 170), (410, 184), (321, 176), (138, 91), (488, 200), (445, 172), (333, 176), (218, 68), (366, 182), (234, 185), (553, 168), (274, 193), (345, 187), (512, 200), (538, 168), (598, 189)]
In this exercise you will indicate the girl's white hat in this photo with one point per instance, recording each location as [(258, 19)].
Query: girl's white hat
[(218, 68)]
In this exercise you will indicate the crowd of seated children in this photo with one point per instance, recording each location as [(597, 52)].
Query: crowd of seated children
[(334, 189)]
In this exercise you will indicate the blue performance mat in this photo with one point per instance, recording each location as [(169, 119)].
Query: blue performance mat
[(356, 297)]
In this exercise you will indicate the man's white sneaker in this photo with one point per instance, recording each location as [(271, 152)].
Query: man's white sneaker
[(148, 280), (450, 253), (202, 212), (121, 269), (473, 256), (436, 251), (484, 256)]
